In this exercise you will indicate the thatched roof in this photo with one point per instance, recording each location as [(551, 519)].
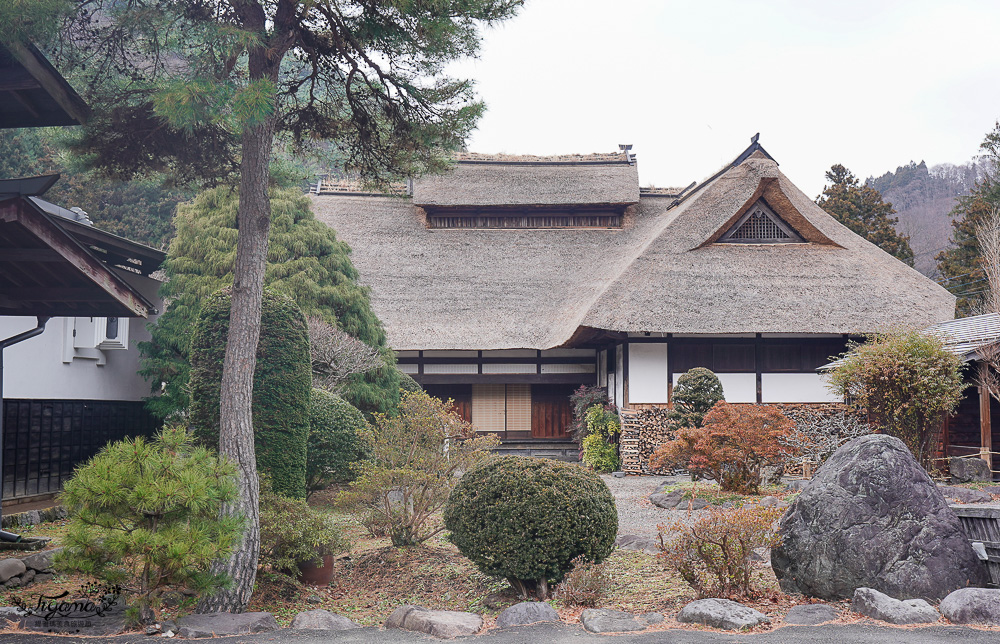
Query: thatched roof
[(538, 289), (504, 180)]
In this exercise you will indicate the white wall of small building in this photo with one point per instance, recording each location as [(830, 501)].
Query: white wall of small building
[(36, 369), (796, 388)]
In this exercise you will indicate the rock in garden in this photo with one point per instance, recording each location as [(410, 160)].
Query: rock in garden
[(964, 495), (772, 502), (973, 606), (41, 560), (674, 499), (651, 618), (871, 517), (213, 624), (527, 613), (602, 620), (871, 603), (969, 470), (721, 613), (439, 623), (323, 620), (638, 544), (811, 614), (11, 568)]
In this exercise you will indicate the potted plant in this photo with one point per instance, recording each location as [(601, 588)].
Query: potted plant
[(297, 540)]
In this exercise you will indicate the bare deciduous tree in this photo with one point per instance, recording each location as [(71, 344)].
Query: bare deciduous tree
[(988, 240), (336, 356)]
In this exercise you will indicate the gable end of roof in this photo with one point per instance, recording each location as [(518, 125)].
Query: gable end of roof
[(769, 189)]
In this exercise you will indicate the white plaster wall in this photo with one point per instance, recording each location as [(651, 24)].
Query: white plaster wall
[(35, 369), (619, 376), (647, 373), (795, 388), (737, 387)]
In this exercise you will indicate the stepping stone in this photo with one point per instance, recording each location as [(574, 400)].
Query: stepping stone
[(721, 613), (871, 603), (602, 620), (219, 624), (811, 614), (323, 620), (439, 623), (527, 613)]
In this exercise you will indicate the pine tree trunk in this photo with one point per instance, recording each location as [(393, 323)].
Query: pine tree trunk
[(236, 434)]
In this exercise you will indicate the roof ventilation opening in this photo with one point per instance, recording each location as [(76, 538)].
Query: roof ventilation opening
[(760, 225)]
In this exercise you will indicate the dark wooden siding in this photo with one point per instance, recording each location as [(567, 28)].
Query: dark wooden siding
[(551, 413), (44, 440), (461, 396)]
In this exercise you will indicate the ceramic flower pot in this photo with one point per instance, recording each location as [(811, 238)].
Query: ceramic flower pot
[(316, 574)]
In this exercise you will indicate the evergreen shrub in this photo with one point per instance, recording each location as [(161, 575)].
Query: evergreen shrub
[(600, 450), (293, 533), (527, 519), (144, 514), (695, 394), (281, 389), (339, 436)]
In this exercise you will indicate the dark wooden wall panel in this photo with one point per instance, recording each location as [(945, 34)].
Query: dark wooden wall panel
[(551, 413)]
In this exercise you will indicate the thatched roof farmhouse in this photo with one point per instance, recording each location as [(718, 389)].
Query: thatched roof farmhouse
[(510, 280)]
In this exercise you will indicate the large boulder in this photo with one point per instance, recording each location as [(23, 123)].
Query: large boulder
[(969, 470), (871, 517)]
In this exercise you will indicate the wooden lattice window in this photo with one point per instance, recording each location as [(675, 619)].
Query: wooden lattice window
[(760, 225)]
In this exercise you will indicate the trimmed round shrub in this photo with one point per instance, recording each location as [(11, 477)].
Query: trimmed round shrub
[(339, 436), (526, 519), (695, 393), (407, 383), (281, 386)]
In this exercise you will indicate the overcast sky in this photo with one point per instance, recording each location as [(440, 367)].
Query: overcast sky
[(869, 84)]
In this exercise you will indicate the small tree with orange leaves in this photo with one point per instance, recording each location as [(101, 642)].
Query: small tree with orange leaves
[(732, 446)]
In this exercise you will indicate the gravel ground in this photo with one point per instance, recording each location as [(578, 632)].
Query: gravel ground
[(636, 515)]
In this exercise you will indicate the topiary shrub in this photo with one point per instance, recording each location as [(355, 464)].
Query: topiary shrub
[(281, 388), (526, 519), (695, 393), (339, 436), (407, 383)]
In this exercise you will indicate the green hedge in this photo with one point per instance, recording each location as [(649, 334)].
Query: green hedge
[(281, 391), (527, 518), (339, 436)]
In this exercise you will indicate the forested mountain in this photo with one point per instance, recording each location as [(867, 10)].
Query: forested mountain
[(923, 198), (142, 210)]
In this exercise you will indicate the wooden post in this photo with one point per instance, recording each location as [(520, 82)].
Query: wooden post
[(985, 426)]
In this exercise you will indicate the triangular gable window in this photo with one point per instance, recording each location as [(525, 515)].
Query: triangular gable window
[(760, 225)]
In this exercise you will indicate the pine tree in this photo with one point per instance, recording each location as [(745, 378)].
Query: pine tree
[(205, 88), (305, 261), (861, 208), (961, 264)]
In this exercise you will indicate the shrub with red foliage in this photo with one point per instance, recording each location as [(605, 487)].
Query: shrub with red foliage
[(732, 445)]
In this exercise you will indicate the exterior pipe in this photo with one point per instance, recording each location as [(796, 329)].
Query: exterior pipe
[(20, 337)]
